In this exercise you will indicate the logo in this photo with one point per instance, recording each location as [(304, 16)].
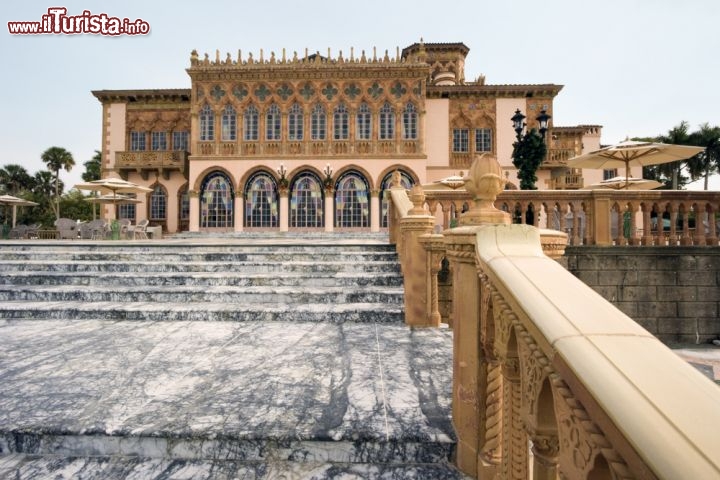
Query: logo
[(58, 22)]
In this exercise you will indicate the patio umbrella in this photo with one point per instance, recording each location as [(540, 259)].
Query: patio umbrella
[(631, 154), (9, 200), (624, 183), (113, 199), (112, 186)]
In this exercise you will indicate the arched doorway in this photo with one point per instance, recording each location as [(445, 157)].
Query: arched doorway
[(306, 201), (216, 202), (261, 201), (406, 180), (352, 205)]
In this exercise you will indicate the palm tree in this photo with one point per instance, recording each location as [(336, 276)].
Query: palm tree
[(92, 167), (707, 162), (15, 179), (56, 159)]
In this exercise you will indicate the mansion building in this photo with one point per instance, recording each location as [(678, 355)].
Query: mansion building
[(310, 141)]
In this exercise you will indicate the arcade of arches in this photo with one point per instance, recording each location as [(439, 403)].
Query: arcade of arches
[(313, 202)]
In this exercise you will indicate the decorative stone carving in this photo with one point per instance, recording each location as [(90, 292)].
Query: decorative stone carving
[(484, 182)]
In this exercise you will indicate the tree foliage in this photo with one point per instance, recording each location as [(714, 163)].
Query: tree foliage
[(528, 153), (92, 167), (699, 166), (56, 159)]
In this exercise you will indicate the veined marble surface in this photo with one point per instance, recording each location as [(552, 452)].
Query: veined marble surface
[(198, 392)]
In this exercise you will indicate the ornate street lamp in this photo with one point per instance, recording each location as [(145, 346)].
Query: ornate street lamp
[(518, 123), (283, 182), (543, 119)]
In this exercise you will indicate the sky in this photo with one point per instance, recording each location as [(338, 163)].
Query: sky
[(636, 67)]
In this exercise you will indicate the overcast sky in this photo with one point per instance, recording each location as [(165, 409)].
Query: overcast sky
[(636, 67)]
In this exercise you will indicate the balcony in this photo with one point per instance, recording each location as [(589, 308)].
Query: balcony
[(161, 161)]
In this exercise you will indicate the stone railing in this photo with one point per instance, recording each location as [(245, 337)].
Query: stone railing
[(604, 217), (549, 379)]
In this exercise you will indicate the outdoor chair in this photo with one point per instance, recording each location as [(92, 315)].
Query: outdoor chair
[(140, 230), (32, 230), (125, 228), (18, 231), (67, 228), (94, 230)]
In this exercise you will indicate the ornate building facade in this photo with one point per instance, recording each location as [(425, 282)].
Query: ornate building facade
[(310, 141)]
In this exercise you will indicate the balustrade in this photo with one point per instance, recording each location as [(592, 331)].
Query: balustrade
[(549, 379)]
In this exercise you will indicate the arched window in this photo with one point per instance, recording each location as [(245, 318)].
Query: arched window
[(272, 123), (405, 180), (318, 123), (364, 122), (229, 124), (207, 124), (158, 204), (216, 201), (340, 123), (410, 122), (306, 201), (295, 123), (250, 124), (261, 202), (352, 205), (387, 122)]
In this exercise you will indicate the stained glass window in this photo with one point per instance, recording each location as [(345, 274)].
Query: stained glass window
[(261, 202), (216, 202), (352, 205), (306, 202)]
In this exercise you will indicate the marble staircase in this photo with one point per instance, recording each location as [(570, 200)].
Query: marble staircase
[(271, 359), (209, 282)]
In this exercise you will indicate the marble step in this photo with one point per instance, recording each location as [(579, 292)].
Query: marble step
[(203, 311), (186, 398), (27, 467), (200, 256), (203, 279), (213, 294), (310, 267)]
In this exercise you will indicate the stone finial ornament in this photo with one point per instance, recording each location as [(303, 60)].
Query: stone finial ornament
[(484, 182), (417, 197)]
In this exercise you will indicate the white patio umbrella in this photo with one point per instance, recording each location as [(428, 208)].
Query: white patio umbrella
[(624, 183), (9, 200), (113, 187), (113, 199), (631, 154)]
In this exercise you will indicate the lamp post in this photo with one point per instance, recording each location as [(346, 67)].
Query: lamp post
[(529, 148), (328, 176)]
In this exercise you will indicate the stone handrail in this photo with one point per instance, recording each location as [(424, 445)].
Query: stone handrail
[(598, 217), (539, 356), (549, 379)]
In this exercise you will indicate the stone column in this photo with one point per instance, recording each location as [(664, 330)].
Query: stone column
[(414, 260), (329, 209), (435, 248), (194, 221), (484, 183), (375, 212), (284, 209), (239, 210)]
